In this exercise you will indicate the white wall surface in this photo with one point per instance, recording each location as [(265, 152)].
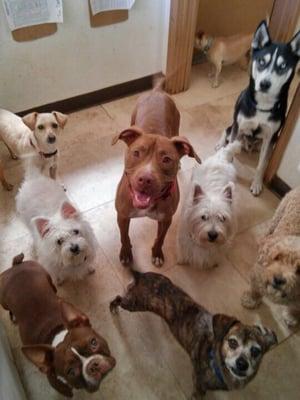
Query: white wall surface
[(289, 170), (78, 59)]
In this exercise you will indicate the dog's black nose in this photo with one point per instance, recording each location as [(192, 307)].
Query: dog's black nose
[(212, 235), (51, 139), (75, 248), (278, 281), (242, 364), (265, 85)]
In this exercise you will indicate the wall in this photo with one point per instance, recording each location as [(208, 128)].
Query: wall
[(289, 169), (220, 17), (79, 59)]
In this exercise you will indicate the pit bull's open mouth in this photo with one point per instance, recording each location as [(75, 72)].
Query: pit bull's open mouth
[(141, 199)]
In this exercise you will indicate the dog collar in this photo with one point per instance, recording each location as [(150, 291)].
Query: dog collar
[(209, 44), (215, 367), (46, 155)]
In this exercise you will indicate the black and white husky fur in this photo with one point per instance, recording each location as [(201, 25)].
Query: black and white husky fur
[(261, 108)]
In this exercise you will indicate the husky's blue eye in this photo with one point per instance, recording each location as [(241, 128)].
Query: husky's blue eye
[(262, 62), (283, 65)]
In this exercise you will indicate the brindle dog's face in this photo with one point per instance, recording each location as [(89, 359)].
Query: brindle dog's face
[(243, 348)]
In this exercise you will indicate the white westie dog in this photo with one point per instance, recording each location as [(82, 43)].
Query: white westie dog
[(64, 242), (207, 221)]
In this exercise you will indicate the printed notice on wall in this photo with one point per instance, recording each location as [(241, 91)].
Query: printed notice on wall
[(109, 5), (23, 13)]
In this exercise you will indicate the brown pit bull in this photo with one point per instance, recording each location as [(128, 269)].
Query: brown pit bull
[(149, 185), (57, 337), (225, 353)]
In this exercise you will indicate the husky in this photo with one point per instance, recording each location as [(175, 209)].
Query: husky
[(260, 109)]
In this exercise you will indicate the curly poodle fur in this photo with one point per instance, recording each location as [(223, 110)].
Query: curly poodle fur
[(276, 273)]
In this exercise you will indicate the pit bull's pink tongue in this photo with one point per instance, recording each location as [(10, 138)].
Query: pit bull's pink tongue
[(141, 200)]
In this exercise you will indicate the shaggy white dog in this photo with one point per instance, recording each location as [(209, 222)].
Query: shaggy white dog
[(64, 242), (207, 221)]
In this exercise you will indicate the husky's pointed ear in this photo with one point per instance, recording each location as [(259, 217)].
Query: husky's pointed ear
[(128, 135), (295, 44), (261, 37)]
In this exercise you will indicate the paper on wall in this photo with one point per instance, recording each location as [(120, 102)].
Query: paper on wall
[(22, 13), (108, 5)]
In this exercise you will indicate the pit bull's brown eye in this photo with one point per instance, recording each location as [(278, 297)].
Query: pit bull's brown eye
[(71, 372), (40, 127), (60, 241), (166, 159), (233, 344), (136, 153), (94, 343), (255, 352), (54, 125)]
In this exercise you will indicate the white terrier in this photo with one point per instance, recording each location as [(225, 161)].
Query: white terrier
[(35, 136), (64, 242), (207, 221)]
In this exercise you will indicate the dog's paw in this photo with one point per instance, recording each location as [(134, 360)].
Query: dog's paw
[(256, 188), (114, 304), (157, 257), (126, 256), (248, 301), (289, 319)]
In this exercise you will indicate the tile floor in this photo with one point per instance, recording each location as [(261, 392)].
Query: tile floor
[(150, 364)]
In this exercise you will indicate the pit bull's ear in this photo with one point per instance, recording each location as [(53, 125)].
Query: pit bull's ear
[(221, 325), (295, 44), (128, 136), (72, 317), (68, 211), (269, 338), (41, 355), (60, 118), (184, 147), (42, 225), (228, 191), (261, 37), (30, 120)]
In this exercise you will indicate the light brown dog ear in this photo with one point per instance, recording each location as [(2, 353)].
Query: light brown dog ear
[(41, 356), (60, 118), (72, 317), (30, 120), (128, 136), (221, 325), (184, 147)]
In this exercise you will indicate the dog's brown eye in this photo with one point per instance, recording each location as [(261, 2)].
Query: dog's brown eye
[(233, 344), (255, 352), (40, 127), (71, 372), (166, 159), (94, 343), (54, 125), (204, 217), (222, 218), (136, 153), (60, 241), (76, 232)]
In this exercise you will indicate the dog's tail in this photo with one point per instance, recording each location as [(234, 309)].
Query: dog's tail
[(158, 82), (231, 150)]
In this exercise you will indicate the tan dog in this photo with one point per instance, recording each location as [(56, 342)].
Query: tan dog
[(149, 185), (34, 134), (224, 50), (276, 273)]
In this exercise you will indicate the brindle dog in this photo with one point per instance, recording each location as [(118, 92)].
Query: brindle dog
[(224, 352)]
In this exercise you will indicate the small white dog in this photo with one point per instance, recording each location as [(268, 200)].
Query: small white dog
[(34, 135), (64, 242), (207, 221)]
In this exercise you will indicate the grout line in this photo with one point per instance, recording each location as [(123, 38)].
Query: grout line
[(106, 112)]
